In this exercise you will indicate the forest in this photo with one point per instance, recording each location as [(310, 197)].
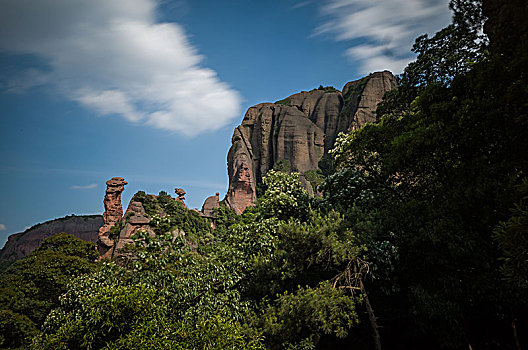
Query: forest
[(418, 241)]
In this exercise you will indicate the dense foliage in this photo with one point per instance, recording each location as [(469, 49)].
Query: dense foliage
[(420, 239), (30, 287)]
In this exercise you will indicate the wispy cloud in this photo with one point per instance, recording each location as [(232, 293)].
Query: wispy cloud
[(115, 58), (381, 32), (83, 187), (3, 227), (302, 4)]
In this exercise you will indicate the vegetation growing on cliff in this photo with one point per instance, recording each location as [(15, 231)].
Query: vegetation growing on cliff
[(286, 102), (171, 214)]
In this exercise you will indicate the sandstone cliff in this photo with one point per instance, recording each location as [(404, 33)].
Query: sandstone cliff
[(298, 130), (19, 245)]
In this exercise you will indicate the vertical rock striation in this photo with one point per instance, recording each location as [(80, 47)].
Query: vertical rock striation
[(298, 130), (112, 215)]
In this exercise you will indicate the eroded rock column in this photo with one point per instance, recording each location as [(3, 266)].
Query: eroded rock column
[(112, 215)]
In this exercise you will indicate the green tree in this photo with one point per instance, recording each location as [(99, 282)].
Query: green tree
[(168, 294), (284, 197), (31, 287), (513, 240), (442, 164), (298, 320)]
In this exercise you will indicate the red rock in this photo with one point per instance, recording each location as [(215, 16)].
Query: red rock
[(300, 130), (112, 215), (181, 195), (210, 204), (135, 219)]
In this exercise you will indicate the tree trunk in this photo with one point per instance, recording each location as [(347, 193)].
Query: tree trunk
[(372, 317), (514, 329)]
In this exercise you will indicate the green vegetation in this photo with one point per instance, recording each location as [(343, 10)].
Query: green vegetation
[(282, 165), (315, 178), (30, 287), (116, 230), (435, 179), (419, 242), (149, 202), (326, 88), (169, 214), (286, 102)]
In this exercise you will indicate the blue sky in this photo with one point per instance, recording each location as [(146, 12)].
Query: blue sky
[(151, 90)]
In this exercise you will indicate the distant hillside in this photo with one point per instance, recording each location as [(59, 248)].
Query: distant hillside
[(19, 245)]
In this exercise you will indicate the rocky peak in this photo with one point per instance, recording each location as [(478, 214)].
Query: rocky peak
[(298, 130), (362, 97)]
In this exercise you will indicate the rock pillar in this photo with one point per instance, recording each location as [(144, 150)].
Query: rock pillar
[(112, 215)]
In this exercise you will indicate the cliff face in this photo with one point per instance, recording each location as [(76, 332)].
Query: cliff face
[(299, 130), (19, 245)]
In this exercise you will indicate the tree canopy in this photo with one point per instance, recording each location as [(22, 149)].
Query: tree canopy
[(419, 240)]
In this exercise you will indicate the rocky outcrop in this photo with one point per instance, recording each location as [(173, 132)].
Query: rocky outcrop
[(242, 191), (112, 215), (298, 130), (19, 245), (180, 192), (362, 97), (210, 204), (135, 219)]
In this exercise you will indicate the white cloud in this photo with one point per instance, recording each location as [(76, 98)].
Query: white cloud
[(27, 79), (115, 58), (109, 102), (373, 59), (301, 4), (83, 187), (3, 227), (382, 32)]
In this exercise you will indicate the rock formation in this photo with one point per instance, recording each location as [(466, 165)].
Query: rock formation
[(19, 245), (135, 219), (180, 192), (210, 204), (112, 215), (298, 130)]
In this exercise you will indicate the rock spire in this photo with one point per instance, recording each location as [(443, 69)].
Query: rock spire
[(112, 215)]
